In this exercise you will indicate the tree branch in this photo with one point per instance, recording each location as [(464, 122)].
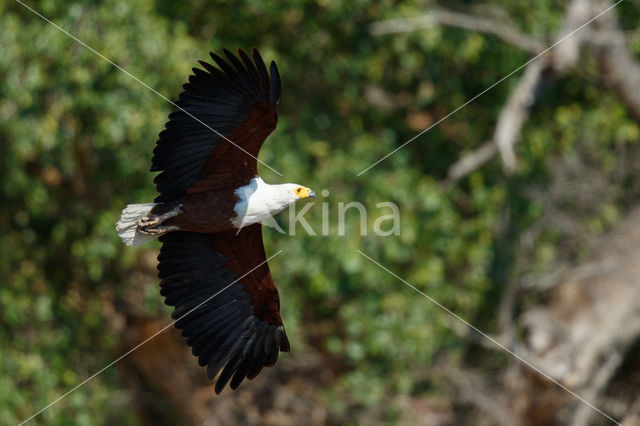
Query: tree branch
[(591, 320), (609, 44), (470, 162), (508, 127), (460, 20), (619, 68), (516, 111), (563, 57)]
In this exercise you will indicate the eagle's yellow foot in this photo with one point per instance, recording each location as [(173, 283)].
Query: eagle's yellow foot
[(149, 222), (150, 225), (156, 229)]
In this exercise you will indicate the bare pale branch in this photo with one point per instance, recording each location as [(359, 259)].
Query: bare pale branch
[(460, 20)]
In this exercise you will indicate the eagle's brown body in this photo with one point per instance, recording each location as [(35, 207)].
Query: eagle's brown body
[(202, 212)]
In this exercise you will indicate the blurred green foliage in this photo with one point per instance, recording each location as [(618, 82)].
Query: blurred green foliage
[(76, 136)]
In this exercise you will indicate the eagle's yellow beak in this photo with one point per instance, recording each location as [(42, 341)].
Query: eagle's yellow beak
[(303, 192)]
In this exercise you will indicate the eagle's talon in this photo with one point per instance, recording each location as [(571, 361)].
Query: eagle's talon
[(147, 222), (156, 230), (150, 225)]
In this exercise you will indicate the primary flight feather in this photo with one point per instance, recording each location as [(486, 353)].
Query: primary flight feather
[(208, 217)]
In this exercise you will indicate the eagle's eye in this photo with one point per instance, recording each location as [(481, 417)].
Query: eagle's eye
[(298, 190)]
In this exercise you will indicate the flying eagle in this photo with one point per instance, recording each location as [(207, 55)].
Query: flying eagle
[(208, 217)]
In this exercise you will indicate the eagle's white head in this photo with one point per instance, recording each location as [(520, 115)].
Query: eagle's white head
[(259, 200)]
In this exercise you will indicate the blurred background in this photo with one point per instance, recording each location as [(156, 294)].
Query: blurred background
[(519, 212)]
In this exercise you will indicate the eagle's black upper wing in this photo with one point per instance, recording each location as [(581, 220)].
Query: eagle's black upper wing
[(239, 100)]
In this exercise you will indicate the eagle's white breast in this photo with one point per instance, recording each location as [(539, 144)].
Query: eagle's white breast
[(259, 200)]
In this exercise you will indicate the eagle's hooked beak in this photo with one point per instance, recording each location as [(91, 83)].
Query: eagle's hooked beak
[(312, 194)]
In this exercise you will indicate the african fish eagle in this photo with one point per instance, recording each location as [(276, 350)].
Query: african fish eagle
[(208, 217)]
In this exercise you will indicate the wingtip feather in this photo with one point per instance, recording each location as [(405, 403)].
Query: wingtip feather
[(276, 84)]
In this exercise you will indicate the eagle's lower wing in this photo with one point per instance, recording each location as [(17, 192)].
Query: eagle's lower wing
[(237, 327), (239, 100)]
